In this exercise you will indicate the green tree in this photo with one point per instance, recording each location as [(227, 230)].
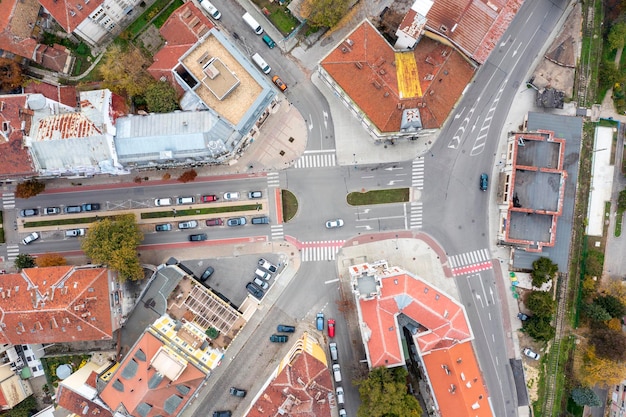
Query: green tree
[(596, 313), (621, 201), (25, 408), (586, 396), (611, 304), (543, 271), (29, 188), (161, 97), (541, 304), (609, 344), (594, 263), (539, 328), (384, 394), (24, 260), (324, 13), (617, 36), (114, 243)]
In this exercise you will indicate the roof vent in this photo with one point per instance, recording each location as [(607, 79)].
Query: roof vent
[(350, 42), (377, 84), (72, 13), (344, 50), (382, 72), (358, 65), (79, 7)]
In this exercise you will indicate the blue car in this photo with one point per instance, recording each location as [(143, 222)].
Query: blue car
[(320, 321), (484, 181)]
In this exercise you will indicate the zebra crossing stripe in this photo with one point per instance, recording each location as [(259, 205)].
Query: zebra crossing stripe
[(8, 200), (316, 160), (469, 258), (12, 252), (273, 179)]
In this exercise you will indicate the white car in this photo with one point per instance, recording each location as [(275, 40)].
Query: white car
[(532, 355), (333, 224), (230, 196), (163, 202), (268, 266), (30, 238)]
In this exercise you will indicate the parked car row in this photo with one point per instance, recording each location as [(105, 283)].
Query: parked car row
[(261, 278), (334, 357), (68, 233), (232, 222), (57, 210), (209, 198), (282, 338)]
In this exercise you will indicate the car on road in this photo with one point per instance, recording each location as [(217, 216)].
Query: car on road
[(285, 328), (319, 321), (51, 210), (279, 83), (189, 224), (255, 290), (337, 372), (237, 392), (268, 41), (333, 351), (230, 196), (75, 232), (165, 227), (185, 200), (340, 399), (331, 328), (522, 316), (91, 207), (163, 202), (198, 237), (279, 338), (207, 273), (223, 413), (255, 194), (30, 238), (29, 212), (73, 209), (333, 224), (258, 281), (260, 220), (484, 181), (531, 354), (268, 266), (342, 413), (236, 221), (214, 222), (209, 198)]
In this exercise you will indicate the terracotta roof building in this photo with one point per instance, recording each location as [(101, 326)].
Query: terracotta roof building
[(58, 304), (64, 94), (15, 118), (161, 373), (78, 394), (397, 94), (17, 22), (388, 299), (300, 386)]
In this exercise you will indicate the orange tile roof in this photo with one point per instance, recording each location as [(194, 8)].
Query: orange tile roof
[(366, 67), (78, 404), (185, 25), (62, 10), (141, 391), (299, 390), (64, 94), (65, 126), (15, 160), (16, 19), (55, 304), (460, 391)]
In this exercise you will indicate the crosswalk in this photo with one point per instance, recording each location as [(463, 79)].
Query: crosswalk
[(320, 250), (415, 216), (417, 174), (12, 252), (8, 200), (273, 180), (277, 232), (317, 159), (469, 262)]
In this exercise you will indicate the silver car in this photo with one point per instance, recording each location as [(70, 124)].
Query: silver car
[(189, 224), (333, 224)]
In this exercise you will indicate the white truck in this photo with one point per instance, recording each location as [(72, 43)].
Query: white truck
[(251, 21)]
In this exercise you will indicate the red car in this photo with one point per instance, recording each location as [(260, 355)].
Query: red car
[(209, 198), (331, 328)]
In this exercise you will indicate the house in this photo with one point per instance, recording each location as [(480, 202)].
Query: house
[(24, 359), (59, 304), (391, 300), (78, 393), (13, 389), (15, 119)]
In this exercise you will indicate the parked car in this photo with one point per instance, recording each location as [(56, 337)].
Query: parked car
[(264, 275), (185, 200), (255, 194), (209, 198), (279, 338), (30, 238), (340, 398), (231, 196), (342, 413), (333, 224), (207, 273), (223, 413), (255, 290), (236, 221), (237, 392), (320, 321), (285, 328), (333, 351), (214, 222), (91, 207), (522, 316), (189, 224), (263, 284), (331, 328), (532, 355), (337, 372), (51, 210), (163, 202), (265, 264), (260, 220), (198, 237), (165, 227), (279, 83), (73, 209), (268, 41), (484, 181), (75, 232), (29, 212)]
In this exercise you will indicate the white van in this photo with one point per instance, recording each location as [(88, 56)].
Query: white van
[(252, 23), (261, 63), (337, 372), (212, 10)]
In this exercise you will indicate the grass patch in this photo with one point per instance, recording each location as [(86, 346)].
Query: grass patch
[(290, 205), (396, 195), (574, 409), (137, 26), (279, 15), (51, 364), (1, 229), (160, 20), (195, 212), (618, 223), (61, 222)]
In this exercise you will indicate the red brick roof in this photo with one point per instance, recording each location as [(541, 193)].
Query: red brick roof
[(140, 390), (365, 66), (301, 389), (78, 404), (55, 304), (64, 94), (15, 161), (62, 10), (16, 21), (52, 57)]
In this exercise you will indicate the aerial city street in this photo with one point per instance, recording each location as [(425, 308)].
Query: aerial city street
[(231, 209)]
